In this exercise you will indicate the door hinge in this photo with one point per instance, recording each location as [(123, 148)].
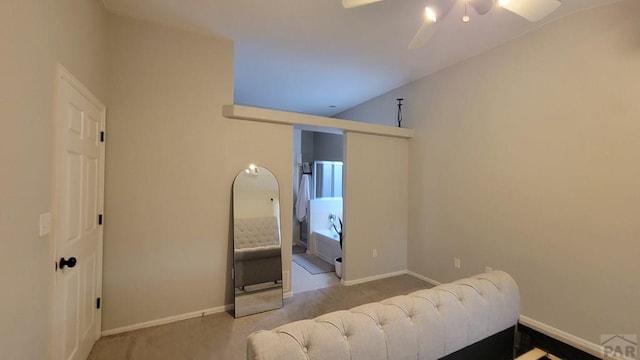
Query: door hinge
[(98, 303), (100, 219), (101, 136)]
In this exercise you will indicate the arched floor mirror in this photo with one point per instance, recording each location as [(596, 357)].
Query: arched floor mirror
[(257, 245)]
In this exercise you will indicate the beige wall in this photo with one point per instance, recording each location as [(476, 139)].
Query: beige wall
[(375, 205), (34, 37), (526, 159), (171, 162), (307, 147)]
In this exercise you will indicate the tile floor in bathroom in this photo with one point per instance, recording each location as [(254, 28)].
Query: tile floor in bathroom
[(302, 280)]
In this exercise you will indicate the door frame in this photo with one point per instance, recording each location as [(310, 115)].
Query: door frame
[(64, 77)]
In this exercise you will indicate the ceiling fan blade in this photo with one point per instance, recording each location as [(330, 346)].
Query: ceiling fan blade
[(355, 3), (481, 6), (423, 35), (532, 10)]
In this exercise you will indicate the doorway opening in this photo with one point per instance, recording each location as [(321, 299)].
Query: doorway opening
[(318, 162)]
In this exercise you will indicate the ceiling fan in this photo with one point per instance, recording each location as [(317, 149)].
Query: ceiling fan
[(436, 10)]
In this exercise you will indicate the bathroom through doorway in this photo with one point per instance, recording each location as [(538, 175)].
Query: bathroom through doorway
[(318, 162)]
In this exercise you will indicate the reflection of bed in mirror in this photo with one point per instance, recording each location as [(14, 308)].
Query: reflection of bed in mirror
[(257, 251)]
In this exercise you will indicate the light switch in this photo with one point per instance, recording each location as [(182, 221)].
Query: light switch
[(45, 224)]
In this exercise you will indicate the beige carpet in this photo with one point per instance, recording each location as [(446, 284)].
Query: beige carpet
[(220, 336)]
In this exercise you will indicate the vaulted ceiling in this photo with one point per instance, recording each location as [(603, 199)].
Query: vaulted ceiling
[(315, 57)]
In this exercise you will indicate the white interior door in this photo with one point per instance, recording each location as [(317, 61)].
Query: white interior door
[(77, 208)]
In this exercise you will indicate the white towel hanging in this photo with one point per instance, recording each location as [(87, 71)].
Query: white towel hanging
[(304, 193)]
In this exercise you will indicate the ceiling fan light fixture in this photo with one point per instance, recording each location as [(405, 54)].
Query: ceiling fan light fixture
[(465, 18), (430, 14), (436, 10)]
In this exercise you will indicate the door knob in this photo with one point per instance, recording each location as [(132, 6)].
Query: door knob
[(71, 262)]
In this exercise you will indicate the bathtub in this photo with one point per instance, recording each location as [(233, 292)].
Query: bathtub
[(327, 245)]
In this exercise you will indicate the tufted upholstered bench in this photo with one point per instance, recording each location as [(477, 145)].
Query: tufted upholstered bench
[(256, 251), (448, 321)]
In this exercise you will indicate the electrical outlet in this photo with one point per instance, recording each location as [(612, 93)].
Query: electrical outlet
[(488, 269), (45, 224), (374, 253), (456, 263)]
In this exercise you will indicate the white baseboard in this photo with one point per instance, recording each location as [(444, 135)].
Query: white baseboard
[(577, 342), (168, 320), (372, 278), (175, 318), (424, 278), (286, 281)]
